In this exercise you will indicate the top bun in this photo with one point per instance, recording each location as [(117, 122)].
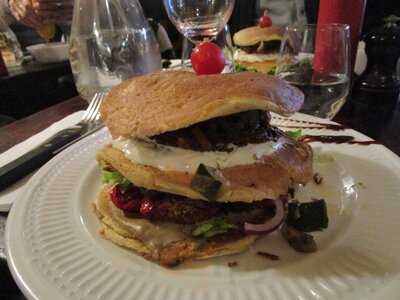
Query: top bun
[(253, 35), (166, 101)]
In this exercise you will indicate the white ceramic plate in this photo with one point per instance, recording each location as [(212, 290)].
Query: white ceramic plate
[(54, 251)]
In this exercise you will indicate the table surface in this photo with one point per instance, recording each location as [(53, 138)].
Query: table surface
[(32, 67), (376, 117)]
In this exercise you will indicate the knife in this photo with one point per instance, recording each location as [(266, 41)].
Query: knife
[(34, 159)]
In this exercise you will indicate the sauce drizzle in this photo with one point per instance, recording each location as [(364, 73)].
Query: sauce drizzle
[(326, 139), (335, 139), (312, 125), (326, 126)]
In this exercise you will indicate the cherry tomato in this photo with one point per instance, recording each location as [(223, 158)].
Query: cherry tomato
[(116, 197), (265, 21), (125, 201), (207, 58)]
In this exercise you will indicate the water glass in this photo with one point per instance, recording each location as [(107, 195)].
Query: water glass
[(110, 41), (316, 59)]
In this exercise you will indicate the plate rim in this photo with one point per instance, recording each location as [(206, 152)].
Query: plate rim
[(17, 211)]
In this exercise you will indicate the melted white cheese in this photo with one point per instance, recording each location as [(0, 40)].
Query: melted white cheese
[(152, 234), (176, 159), (243, 56)]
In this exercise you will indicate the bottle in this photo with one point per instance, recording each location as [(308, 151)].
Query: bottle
[(376, 92), (383, 53), (110, 41)]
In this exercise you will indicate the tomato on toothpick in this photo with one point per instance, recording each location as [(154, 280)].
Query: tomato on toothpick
[(265, 20), (207, 58)]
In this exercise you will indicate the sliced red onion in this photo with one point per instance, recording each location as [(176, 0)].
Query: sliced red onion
[(271, 224)]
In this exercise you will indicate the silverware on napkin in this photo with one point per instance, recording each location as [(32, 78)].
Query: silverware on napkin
[(24, 165)]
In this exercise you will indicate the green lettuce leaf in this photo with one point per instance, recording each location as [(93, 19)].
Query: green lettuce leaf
[(294, 134), (241, 68), (114, 177), (212, 227), (272, 71)]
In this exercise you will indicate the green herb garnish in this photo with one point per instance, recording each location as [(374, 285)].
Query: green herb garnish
[(202, 229), (205, 182), (309, 216), (294, 134), (241, 68), (213, 227), (114, 177), (300, 70), (272, 71), (214, 232)]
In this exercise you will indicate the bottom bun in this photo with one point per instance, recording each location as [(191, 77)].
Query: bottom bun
[(141, 235), (260, 66)]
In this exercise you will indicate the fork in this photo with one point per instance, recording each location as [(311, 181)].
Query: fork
[(37, 157), (92, 113), (89, 123)]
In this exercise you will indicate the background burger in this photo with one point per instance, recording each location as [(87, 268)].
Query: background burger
[(194, 169), (258, 48)]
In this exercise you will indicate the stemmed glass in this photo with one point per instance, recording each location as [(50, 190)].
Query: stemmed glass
[(223, 40), (199, 20), (316, 59)]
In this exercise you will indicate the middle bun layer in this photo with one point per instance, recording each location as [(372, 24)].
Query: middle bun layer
[(269, 178)]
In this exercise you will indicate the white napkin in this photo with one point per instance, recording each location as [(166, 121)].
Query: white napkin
[(10, 194)]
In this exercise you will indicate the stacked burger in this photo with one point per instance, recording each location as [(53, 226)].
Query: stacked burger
[(195, 170), (258, 48)]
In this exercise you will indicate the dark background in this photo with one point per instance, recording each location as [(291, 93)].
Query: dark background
[(245, 14)]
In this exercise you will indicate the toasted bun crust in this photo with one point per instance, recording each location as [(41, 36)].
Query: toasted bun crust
[(260, 66), (253, 35), (165, 101), (290, 163), (169, 254)]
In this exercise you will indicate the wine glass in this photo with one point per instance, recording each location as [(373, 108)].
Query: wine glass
[(199, 20), (223, 40), (316, 59)]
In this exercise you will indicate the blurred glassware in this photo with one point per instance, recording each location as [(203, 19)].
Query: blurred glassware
[(284, 12), (9, 46), (199, 20), (49, 52), (110, 41), (324, 84), (223, 40)]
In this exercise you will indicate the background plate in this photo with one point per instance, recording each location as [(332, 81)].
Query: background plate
[(54, 251)]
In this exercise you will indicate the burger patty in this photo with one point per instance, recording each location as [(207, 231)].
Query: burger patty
[(219, 134), (158, 206), (267, 48)]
